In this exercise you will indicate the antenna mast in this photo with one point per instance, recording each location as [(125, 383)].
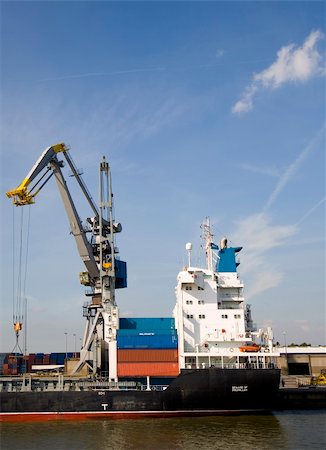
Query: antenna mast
[(207, 237)]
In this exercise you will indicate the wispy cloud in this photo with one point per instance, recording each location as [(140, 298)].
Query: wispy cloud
[(293, 64), (311, 210), (100, 74), (259, 236), (267, 279), (293, 167), (262, 170), (303, 325), (219, 52)]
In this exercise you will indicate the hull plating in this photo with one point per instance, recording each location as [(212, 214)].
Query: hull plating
[(194, 392)]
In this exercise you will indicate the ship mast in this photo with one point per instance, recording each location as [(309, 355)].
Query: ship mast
[(207, 237)]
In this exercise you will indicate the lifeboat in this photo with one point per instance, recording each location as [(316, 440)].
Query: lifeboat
[(250, 348)]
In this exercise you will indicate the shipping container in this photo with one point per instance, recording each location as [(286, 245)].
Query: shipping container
[(147, 355), (152, 332), (120, 274), (168, 369), (147, 341), (144, 324), (3, 357)]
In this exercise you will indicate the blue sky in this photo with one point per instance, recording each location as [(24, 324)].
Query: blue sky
[(202, 109)]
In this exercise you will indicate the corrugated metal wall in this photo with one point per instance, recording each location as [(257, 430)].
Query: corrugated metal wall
[(142, 369), (145, 324), (161, 341), (148, 355)]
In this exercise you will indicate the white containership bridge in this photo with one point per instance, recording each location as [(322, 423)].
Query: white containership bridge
[(215, 328)]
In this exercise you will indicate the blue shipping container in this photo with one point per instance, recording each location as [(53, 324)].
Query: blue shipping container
[(146, 324), (162, 341), (153, 332), (120, 274)]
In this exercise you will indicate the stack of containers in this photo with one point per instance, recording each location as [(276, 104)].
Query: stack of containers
[(12, 364), (46, 359), (39, 358), (3, 357), (53, 358), (31, 361), (24, 365), (16, 363), (147, 347)]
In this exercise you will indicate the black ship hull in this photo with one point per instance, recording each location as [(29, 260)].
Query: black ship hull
[(194, 392)]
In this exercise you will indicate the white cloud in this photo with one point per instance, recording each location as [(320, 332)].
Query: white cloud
[(303, 325), (293, 64), (293, 167), (311, 210), (267, 279), (258, 236), (220, 52), (246, 102), (263, 170)]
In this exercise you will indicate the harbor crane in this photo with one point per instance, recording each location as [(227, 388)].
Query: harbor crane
[(104, 270)]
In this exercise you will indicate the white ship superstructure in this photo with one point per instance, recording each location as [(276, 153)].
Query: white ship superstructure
[(214, 324)]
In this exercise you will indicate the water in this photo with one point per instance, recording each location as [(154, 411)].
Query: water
[(290, 430)]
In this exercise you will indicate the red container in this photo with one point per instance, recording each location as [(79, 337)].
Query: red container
[(147, 355), (5, 369), (12, 359), (153, 369)]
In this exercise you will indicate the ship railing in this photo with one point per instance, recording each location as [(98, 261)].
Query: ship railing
[(11, 385), (101, 385), (154, 387), (232, 366)]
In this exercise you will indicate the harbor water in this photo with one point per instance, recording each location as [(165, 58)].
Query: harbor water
[(288, 430)]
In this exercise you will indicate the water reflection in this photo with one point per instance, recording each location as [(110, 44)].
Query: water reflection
[(244, 432), (288, 430)]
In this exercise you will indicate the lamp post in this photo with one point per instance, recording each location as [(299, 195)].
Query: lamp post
[(75, 345), (285, 346), (66, 334), (286, 351)]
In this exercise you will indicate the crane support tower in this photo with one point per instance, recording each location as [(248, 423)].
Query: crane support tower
[(95, 240)]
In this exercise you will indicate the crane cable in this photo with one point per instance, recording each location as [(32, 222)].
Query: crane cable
[(19, 292), (25, 278)]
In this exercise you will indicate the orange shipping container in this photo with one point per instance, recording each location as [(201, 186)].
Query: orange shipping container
[(154, 369), (5, 369), (148, 355)]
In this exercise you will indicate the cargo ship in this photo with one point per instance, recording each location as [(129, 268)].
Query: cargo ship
[(207, 359)]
